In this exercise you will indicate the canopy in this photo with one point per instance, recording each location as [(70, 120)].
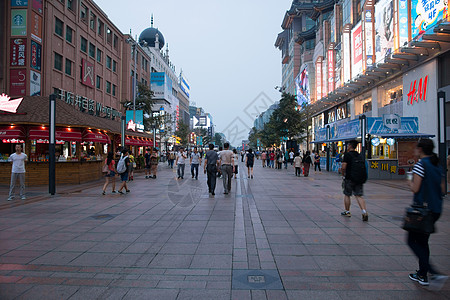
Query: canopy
[(95, 137)]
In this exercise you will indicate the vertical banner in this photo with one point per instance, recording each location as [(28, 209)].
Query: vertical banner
[(357, 50), (37, 5), (17, 84), (318, 79), (330, 63), (36, 57), (36, 27), (18, 52), (346, 56), (19, 22), (87, 73), (35, 83), (403, 28), (368, 37), (384, 27)]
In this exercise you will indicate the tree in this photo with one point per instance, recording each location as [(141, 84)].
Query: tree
[(253, 138), (218, 139), (287, 120), (183, 132)]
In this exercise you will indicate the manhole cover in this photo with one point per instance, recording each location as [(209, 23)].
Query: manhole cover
[(256, 280), (103, 217)]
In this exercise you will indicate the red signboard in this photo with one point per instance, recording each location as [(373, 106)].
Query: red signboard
[(17, 85), (18, 52), (36, 26), (418, 91), (87, 73), (318, 79), (330, 70), (357, 50)]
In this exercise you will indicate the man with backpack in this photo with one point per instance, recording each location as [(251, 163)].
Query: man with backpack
[(354, 173), (122, 169)]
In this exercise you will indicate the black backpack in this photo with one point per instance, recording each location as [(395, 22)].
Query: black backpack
[(358, 170)]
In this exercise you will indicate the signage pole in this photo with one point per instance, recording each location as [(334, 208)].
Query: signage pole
[(442, 134), (363, 135), (154, 136), (122, 131), (134, 81), (328, 148), (51, 146)]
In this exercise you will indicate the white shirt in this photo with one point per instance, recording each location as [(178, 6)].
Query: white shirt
[(181, 158), (291, 155), (226, 156), (195, 158), (18, 161), (236, 159)]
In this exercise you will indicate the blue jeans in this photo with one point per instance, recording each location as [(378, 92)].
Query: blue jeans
[(194, 167), (180, 170)]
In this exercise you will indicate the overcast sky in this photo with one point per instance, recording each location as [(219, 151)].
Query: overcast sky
[(225, 48)]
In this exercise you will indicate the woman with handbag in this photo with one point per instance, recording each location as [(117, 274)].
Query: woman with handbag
[(109, 169), (427, 185)]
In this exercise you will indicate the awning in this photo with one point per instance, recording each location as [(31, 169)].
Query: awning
[(406, 135), (12, 132), (133, 142), (95, 137), (61, 134)]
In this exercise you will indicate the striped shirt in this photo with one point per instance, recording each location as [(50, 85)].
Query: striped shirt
[(419, 169)]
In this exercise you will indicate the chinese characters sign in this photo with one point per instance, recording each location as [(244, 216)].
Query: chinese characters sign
[(330, 70), (357, 50), (36, 29), (17, 85), (426, 13), (18, 52), (318, 79), (19, 3), (36, 56), (418, 90)]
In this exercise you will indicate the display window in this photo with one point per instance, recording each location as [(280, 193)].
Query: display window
[(391, 92), (383, 148)]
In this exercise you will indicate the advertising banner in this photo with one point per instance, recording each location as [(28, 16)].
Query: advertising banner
[(302, 86), (157, 84), (35, 83), (36, 57), (139, 122), (403, 26), (318, 79), (19, 22), (37, 5), (36, 27), (18, 52), (426, 13), (19, 3), (357, 50), (346, 56), (384, 27), (87, 73), (337, 69), (330, 72), (18, 83), (184, 84), (368, 38)]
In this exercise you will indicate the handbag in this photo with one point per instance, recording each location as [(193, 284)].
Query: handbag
[(418, 219), (105, 168)]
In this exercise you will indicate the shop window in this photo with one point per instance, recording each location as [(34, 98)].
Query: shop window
[(100, 28), (99, 55), (383, 148), (108, 87), (391, 92), (58, 61), (83, 44), (98, 82), (91, 50), (83, 13), (363, 106), (108, 62), (69, 34), (108, 35), (59, 27), (68, 67), (92, 21), (114, 66), (70, 4), (114, 87)]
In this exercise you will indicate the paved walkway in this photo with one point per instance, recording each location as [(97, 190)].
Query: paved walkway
[(276, 236)]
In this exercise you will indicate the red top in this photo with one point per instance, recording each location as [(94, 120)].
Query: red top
[(111, 165), (272, 156)]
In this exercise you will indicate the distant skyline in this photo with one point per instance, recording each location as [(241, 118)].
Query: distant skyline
[(225, 49)]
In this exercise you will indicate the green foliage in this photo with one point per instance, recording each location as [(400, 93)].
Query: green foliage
[(183, 132), (218, 140)]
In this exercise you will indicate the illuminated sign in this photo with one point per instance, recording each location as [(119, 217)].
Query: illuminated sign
[(302, 85), (346, 56), (330, 70), (418, 91), (18, 52), (131, 125), (357, 50), (319, 79), (368, 31), (384, 27), (135, 120), (36, 50), (9, 105), (426, 14)]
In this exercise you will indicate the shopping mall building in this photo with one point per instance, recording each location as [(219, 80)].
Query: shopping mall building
[(372, 71), (72, 49)]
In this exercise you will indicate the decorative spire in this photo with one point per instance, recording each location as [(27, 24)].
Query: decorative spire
[(151, 23)]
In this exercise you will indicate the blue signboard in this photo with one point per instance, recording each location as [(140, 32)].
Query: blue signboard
[(35, 60), (425, 14), (139, 120), (377, 125), (19, 3)]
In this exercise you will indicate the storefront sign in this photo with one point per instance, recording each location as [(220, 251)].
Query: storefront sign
[(319, 79), (330, 70), (36, 50), (19, 3), (384, 27), (36, 27), (426, 14), (17, 85), (18, 52), (418, 90), (385, 166), (87, 73), (357, 49), (6, 104), (131, 125), (37, 5), (392, 121), (35, 83), (346, 56), (18, 22), (368, 32), (378, 125)]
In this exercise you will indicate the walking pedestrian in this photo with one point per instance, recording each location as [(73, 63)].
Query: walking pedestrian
[(236, 162), (171, 159), (272, 159), (18, 160), (122, 169), (428, 186), (154, 160), (195, 161), (286, 159), (279, 160), (242, 155), (210, 167), (110, 176), (250, 159), (219, 170), (298, 164), (180, 163), (307, 162), (226, 162), (355, 174), (131, 166), (147, 163), (264, 158), (317, 162), (291, 156)]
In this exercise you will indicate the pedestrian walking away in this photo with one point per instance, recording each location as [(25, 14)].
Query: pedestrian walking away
[(181, 163), (317, 162), (306, 162), (195, 161), (110, 175), (354, 174), (236, 162), (264, 158), (291, 156), (298, 164), (171, 159), (250, 159), (18, 160), (154, 160), (272, 159), (210, 168), (428, 186), (131, 167), (122, 169), (147, 163), (226, 163)]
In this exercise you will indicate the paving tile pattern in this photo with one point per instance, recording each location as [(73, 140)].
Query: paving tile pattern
[(169, 239)]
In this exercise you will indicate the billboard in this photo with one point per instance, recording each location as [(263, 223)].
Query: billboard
[(319, 82), (36, 51), (426, 13), (17, 84), (302, 86), (35, 83), (403, 25), (346, 57), (19, 22), (384, 28), (19, 3), (138, 124), (184, 85), (157, 84), (357, 50), (368, 37), (87, 73), (18, 52), (36, 27), (330, 70)]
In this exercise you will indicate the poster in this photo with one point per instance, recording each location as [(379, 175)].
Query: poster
[(357, 50), (19, 22), (36, 50), (384, 28), (368, 32), (19, 3), (403, 22), (36, 27), (35, 83), (426, 13), (302, 87), (17, 85), (37, 5), (18, 52)]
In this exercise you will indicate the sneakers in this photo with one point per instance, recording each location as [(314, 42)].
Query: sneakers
[(146, 177), (346, 214), (365, 217), (437, 281), (423, 280), (10, 199)]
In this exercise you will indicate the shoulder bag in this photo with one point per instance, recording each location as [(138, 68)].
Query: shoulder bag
[(418, 218)]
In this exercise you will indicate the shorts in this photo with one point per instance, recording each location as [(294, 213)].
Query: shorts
[(111, 174), (124, 176), (147, 167), (249, 165), (235, 169), (349, 188)]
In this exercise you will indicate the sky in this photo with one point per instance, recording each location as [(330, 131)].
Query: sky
[(225, 49)]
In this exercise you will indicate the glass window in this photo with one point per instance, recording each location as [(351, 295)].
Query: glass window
[(91, 50), (114, 66), (58, 61), (69, 34), (108, 35), (108, 87), (68, 67), (83, 12), (92, 21), (99, 55), (83, 44), (108, 62), (59, 26), (70, 4), (114, 87), (391, 92), (100, 28), (98, 82), (115, 42)]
